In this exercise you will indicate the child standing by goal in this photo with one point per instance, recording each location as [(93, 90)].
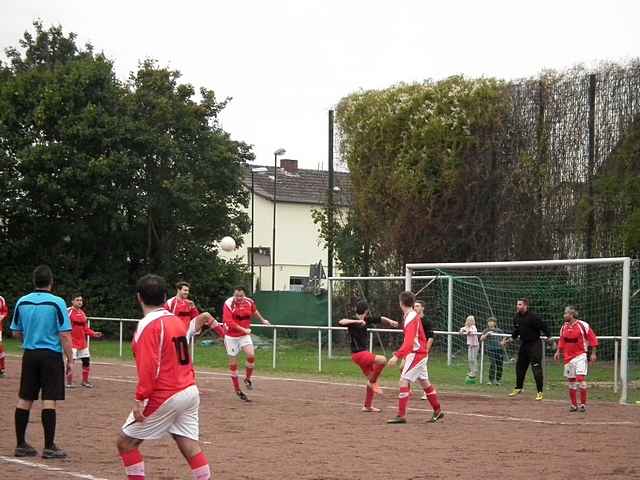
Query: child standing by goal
[(414, 354), (473, 345)]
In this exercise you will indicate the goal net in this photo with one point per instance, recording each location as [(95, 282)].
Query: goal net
[(600, 289)]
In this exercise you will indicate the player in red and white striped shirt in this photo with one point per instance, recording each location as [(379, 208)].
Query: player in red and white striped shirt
[(79, 332), (166, 398), (576, 336), (413, 352), (4, 312), (237, 313)]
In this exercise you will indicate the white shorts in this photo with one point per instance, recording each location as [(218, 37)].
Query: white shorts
[(414, 371), (80, 353), (177, 416), (576, 366), (235, 344)]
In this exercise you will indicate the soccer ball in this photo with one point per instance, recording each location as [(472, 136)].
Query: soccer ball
[(228, 244)]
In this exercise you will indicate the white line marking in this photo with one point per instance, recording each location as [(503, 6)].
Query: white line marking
[(49, 468)]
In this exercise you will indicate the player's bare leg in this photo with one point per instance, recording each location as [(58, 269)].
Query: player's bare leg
[(432, 398), (249, 365), (403, 402), (192, 452), (131, 457), (378, 366)]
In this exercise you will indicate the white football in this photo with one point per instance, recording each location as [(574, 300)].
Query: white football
[(228, 244)]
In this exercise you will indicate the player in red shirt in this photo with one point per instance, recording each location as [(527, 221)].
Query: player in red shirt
[(166, 398), (4, 312), (576, 337), (413, 352), (180, 305), (237, 313), (79, 332)]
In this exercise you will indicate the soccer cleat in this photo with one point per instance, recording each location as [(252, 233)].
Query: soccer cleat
[(423, 397), (573, 408), (87, 385), (25, 450), (53, 452), (248, 383), (397, 420), (437, 416), (2, 374), (515, 391), (582, 409), (242, 396), (539, 396), (70, 385), (371, 409)]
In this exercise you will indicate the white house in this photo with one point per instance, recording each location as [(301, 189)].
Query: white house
[(298, 245)]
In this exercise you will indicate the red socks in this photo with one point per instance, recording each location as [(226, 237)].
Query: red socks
[(432, 397), (403, 401), (251, 362), (85, 374), (200, 467), (583, 395), (234, 377), (572, 392), (2, 355), (377, 370), (133, 464), (368, 401)]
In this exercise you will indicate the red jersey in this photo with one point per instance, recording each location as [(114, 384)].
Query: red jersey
[(185, 310), (415, 341), (4, 309), (237, 313), (160, 347), (79, 328), (575, 339)]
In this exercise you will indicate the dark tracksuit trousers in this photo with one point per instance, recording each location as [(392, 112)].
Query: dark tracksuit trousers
[(530, 353)]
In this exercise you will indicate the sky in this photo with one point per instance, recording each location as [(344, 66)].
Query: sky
[(286, 63)]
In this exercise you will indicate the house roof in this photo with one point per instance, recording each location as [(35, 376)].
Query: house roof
[(303, 186)]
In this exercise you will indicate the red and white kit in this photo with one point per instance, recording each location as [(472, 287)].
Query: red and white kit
[(413, 349), (185, 310), (574, 342), (166, 379), (79, 332), (236, 314)]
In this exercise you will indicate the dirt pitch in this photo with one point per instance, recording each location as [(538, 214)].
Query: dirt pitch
[(306, 429)]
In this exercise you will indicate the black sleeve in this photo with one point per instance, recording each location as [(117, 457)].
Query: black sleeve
[(374, 320), (542, 325), (428, 327), (516, 328)]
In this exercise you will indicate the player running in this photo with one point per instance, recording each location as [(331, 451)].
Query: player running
[(237, 314), (4, 312), (166, 398), (79, 332), (370, 364), (413, 352), (576, 337)]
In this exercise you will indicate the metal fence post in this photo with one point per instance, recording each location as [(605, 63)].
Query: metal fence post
[(616, 346), (121, 338), (481, 362), (275, 339), (319, 350)]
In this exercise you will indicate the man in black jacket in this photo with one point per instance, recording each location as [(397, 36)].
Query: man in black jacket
[(528, 326)]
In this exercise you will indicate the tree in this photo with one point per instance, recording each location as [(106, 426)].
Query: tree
[(107, 180)]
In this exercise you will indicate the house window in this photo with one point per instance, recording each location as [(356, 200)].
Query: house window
[(297, 284)]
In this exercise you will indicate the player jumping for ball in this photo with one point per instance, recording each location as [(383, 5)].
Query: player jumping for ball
[(414, 354), (576, 336), (237, 313), (370, 364)]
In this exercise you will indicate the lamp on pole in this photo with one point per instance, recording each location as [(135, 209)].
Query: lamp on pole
[(253, 171), (278, 152)]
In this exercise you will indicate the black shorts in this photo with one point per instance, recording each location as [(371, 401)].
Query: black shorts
[(42, 370)]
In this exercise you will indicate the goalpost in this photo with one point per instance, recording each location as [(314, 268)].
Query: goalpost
[(600, 288)]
